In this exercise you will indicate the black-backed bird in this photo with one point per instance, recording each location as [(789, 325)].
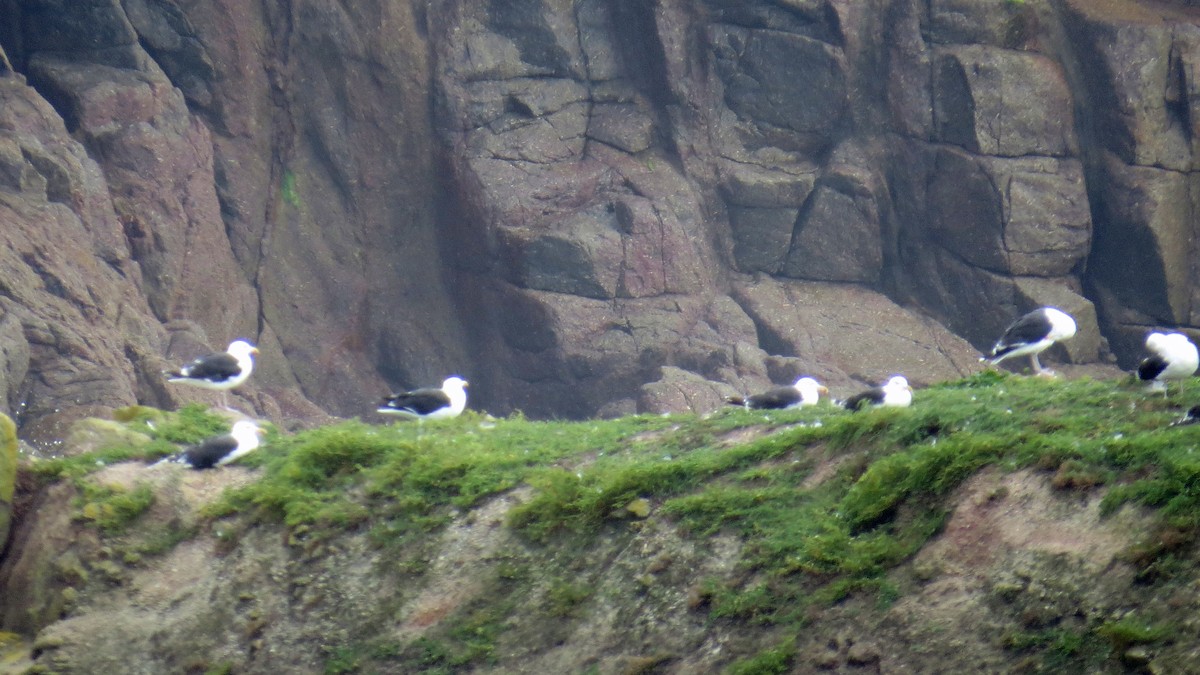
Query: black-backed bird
[(223, 449), (1033, 334), (1172, 357), (429, 403), (1192, 416), (220, 371), (894, 393), (806, 391)]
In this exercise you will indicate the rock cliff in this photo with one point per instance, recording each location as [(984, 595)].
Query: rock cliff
[(586, 208)]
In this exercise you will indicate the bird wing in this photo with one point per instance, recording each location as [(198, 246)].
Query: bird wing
[(208, 452), (1028, 329), (873, 396), (1191, 417), (212, 367), (778, 397), (419, 401), (1151, 367)]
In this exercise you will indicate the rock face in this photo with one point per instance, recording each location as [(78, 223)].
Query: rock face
[(8, 475), (559, 201), (1015, 556)]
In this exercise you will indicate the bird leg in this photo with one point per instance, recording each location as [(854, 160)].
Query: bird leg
[(1038, 369)]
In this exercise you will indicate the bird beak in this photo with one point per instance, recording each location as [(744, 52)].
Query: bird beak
[(254, 350), (823, 389), (465, 383), (260, 431)]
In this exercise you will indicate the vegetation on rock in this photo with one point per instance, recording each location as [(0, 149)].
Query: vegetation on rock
[(8, 473), (826, 505)]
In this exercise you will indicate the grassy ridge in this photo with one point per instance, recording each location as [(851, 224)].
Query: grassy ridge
[(826, 502), (814, 541)]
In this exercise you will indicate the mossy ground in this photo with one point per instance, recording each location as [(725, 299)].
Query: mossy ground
[(826, 502)]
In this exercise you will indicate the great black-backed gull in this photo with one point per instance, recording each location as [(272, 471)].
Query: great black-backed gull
[(1192, 416), (806, 391), (1172, 357), (221, 371), (429, 404), (895, 393), (1031, 335), (223, 449)]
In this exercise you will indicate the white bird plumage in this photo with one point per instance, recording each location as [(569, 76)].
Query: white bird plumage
[(429, 404), (806, 391), (220, 371), (895, 393), (1033, 334), (1172, 357), (222, 449)]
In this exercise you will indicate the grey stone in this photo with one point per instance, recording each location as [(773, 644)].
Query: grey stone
[(762, 237), (678, 390), (837, 239), (624, 126), (974, 87), (1143, 253), (784, 80), (1021, 216), (751, 185)]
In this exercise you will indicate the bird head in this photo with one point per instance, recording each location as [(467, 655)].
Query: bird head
[(241, 348), (810, 388), (246, 428)]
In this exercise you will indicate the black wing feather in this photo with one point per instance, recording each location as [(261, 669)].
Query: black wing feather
[(1151, 367), (207, 453), (1192, 417), (212, 367), (873, 396), (774, 399), (419, 401), (1030, 328)]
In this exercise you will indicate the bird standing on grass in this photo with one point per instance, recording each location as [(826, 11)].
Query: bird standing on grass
[(223, 449), (1172, 357), (806, 391), (1033, 334), (896, 393), (1192, 416), (221, 371), (429, 403)]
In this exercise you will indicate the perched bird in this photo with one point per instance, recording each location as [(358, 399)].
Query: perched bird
[(221, 371), (1192, 416), (427, 404), (1172, 357), (806, 391), (895, 393), (1031, 335), (213, 452)]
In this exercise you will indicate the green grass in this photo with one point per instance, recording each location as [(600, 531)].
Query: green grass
[(111, 509), (826, 502), (774, 661), (814, 541), (818, 542), (167, 431), (407, 479)]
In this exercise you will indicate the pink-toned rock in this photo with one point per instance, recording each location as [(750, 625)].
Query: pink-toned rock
[(844, 334)]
